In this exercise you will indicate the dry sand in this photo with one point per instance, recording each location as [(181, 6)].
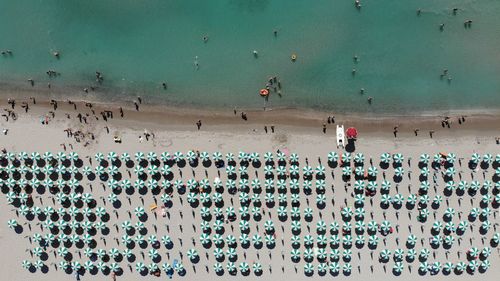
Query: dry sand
[(176, 131)]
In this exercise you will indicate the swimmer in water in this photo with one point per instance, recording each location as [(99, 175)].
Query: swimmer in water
[(205, 38), (196, 64)]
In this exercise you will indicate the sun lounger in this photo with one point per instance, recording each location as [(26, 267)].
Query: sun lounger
[(340, 136)]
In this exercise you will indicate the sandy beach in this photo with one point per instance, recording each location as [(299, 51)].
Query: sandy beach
[(174, 129)]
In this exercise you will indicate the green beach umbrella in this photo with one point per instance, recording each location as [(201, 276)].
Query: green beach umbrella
[(385, 158), (333, 156), (359, 158)]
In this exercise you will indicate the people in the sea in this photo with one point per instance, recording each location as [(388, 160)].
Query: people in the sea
[(164, 85)]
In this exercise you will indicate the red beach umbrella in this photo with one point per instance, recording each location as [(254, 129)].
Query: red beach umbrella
[(351, 133)]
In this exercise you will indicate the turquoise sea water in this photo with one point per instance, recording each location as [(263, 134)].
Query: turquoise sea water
[(139, 44)]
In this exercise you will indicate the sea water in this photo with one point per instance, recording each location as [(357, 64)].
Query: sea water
[(137, 45)]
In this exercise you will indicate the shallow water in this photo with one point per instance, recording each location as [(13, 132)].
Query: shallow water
[(137, 45)]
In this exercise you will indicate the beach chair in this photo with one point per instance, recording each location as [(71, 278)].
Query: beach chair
[(152, 207), (340, 136)]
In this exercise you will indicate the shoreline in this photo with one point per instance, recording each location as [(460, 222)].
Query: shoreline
[(108, 98)]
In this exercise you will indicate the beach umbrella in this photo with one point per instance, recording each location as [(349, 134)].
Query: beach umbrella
[(243, 156), (462, 185), (268, 170), (385, 158), (231, 254), (139, 226), (334, 241), (473, 265), (436, 240), (398, 158), (295, 240), (359, 171), (294, 158), (26, 264), (244, 267), (450, 172), (372, 171), (346, 171), (347, 240), (35, 156), (438, 199), (151, 157), (114, 267), (398, 255), (281, 156), (486, 252), (229, 157), (461, 266), (347, 268), (424, 254), (475, 158), (243, 170), (101, 266), (268, 157), (424, 158), (386, 199), (334, 268), (218, 268), (12, 223), (449, 240), (125, 157), (385, 226), (448, 267), (140, 267), (496, 238), (256, 240), (359, 158), (76, 266), (412, 240), (254, 157), (485, 265), (373, 240), (488, 158), (257, 268), (346, 157), (320, 170), (451, 158), (436, 267), (398, 267), (425, 172), (399, 171), (333, 156)]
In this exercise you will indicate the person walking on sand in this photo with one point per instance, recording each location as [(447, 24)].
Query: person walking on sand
[(272, 129), (431, 133), (395, 131), (198, 124), (324, 128), (265, 129), (136, 106), (416, 131)]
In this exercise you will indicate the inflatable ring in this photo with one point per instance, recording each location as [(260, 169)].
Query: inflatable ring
[(264, 92), (294, 57)]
